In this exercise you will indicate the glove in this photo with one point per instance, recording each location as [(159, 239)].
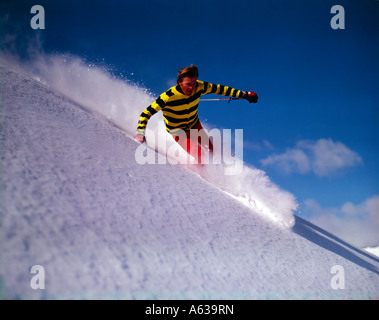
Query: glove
[(250, 96), (140, 138)]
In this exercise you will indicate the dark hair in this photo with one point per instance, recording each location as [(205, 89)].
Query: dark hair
[(190, 72)]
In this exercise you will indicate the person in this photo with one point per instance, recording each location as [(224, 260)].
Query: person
[(179, 106)]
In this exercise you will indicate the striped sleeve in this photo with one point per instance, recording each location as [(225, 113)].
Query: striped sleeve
[(222, 90), (146, 114)]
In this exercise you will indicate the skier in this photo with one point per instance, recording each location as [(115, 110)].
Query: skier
[(179, 106)]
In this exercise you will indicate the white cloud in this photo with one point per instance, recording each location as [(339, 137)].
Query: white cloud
[(293, 160), (322, 157), (328, 156), (357, 224)]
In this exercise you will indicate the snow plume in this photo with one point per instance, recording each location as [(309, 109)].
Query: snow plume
[(254, 189), (93, 87), (121, 102)]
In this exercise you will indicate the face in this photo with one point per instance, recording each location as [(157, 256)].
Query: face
[(188, 85)]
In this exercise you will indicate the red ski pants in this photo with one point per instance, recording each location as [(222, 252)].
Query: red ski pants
[(193, 143)]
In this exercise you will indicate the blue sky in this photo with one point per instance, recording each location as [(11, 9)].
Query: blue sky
[(314, 130)]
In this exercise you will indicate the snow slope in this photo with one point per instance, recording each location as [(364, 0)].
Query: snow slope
[(121, 102), (373, 250), (74, 201)]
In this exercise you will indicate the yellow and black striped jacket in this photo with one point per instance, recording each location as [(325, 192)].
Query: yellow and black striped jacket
[(179, 110)]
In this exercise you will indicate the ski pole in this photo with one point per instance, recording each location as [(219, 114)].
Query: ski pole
[(221, 99)]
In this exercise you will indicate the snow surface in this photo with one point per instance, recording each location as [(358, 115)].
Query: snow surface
[(373, 250), (75, 201)]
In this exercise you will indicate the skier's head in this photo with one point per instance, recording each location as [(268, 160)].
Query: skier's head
[(187, 79)]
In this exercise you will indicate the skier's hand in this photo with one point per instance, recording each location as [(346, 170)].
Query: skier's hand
[(140, 138), (250, 96)]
